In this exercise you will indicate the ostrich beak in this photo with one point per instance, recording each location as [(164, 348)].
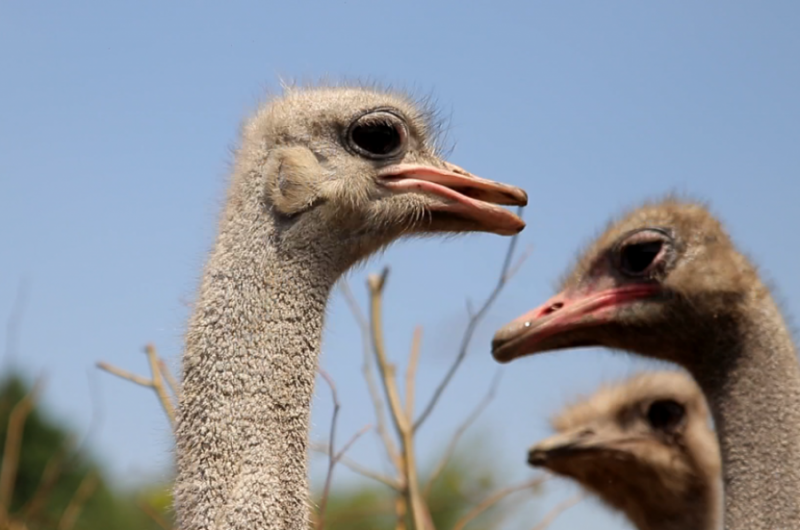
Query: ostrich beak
[(577, 442), (564, 321), (462, 193)]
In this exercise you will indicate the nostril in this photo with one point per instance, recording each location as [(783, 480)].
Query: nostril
[(552, 308)]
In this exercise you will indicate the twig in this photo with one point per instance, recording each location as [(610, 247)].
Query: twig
[(331, 445), (158, 383), (405, 431), (358, 468), (16, 426), (333, 458), (510, 507), (459, 432), (119, 372), (558, 510), (354, 514), (494, 498), (152, 514), (372, 386), (400, 513), (97, 412), (50, 475), (171, 381), (346, 447), (470, 309), (472, 324), (411, 371), (82, 494), (520, 261), (14, 321)]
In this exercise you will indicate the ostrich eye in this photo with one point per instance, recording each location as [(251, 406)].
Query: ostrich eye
[(635, 258), (665, 415), (378, 135), (640, 251)]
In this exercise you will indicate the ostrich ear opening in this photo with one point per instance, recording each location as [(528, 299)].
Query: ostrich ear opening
[(293, 179)]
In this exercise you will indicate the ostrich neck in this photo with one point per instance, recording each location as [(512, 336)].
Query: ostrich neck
[(755, 401), (697, 509), (248, 379), (664, 499)]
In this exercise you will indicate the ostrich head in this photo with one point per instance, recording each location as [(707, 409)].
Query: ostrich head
[(644, 447), (665, 281), (647, 436), (358, 168)]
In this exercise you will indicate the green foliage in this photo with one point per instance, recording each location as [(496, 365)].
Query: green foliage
[(46, 443)]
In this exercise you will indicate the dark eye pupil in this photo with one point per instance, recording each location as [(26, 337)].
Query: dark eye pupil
[(665, 414), (637, 257), (379, 138)]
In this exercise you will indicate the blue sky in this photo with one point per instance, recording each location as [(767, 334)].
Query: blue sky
[(117, 120)]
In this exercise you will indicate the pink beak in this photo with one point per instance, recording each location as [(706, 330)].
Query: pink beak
[(560, 316), (462, 193)]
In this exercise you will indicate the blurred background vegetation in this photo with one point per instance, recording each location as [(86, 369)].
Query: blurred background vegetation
[(53, 483), (48, 481)]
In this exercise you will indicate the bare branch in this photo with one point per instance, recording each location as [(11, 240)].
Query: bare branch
[(385, 368), (170, 377), (97, 410), (351, 441), (158, 383), (362, 321), (558, 510), (50, 475), (460, 431), (16, 426), (511, 506), (400, 513), (356, 514), (119, 372), (494, 498), (472, 325), (369, 377), (331, 444), (15, 321), (82, 494), (358, 468), (333, 457), (411, 371), (419, 512), (154, 515), (512, 271)]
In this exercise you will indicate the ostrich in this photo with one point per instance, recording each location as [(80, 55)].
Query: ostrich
[(645, 448), (323, 178), (667, 282)]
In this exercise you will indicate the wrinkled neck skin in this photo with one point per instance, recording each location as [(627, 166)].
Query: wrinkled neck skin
[(248, 373), (754, 394)]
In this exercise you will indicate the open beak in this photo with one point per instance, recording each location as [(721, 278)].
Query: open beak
[(461, 193), (560, 322), (576, 443)]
